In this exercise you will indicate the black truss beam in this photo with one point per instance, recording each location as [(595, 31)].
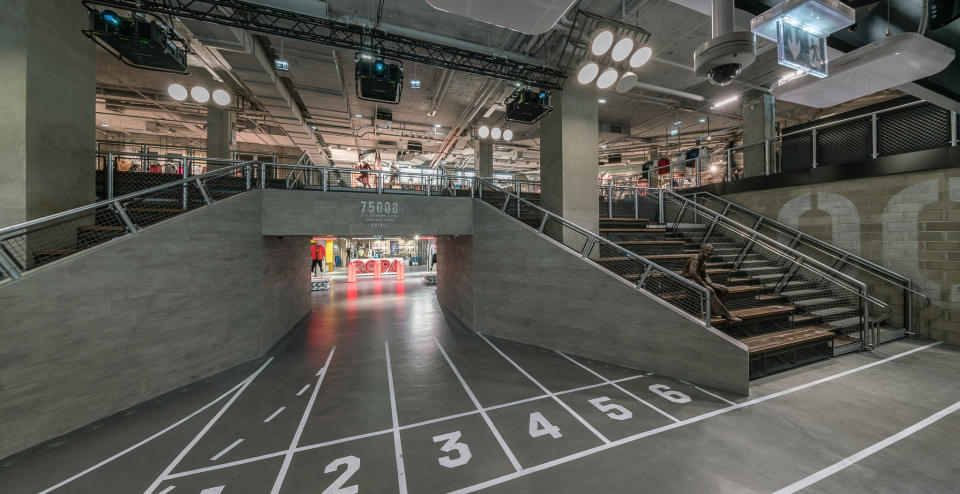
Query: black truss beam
[(268, 20)]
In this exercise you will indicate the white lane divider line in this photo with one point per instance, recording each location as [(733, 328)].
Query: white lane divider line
[(158, 434), (615, 385), (173, 464), (303, 390), (288, 454), (698, 388), (869, 450), (483, 413), (668, 427), (274, 414), (213, 490), (226, 450), (168, 489), (401, 473), (548, 392)]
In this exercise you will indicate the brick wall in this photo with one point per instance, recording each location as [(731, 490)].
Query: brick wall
[(909, 223)]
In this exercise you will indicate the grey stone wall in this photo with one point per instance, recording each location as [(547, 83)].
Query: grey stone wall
[(529, 288), (455, 275), (87, 336), (909, 223)]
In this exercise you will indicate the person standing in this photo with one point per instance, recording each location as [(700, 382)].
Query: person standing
[(318, 254)]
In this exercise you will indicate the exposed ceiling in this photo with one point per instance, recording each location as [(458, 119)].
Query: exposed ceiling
[(313, 107)]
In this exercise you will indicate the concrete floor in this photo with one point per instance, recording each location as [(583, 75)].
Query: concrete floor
[(381, 393)]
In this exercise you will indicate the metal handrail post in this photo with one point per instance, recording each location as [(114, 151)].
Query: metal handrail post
[(543, 223), (379, 181), (429, 181), (873, 134), (609, 201), (636, 203), (185, 175), (908, 308), (953, 128), (122, 213), (246, 173), (262, 167), (109, 173), (7, 266), (707, 310), (203, 193), (660, 215), (728, 178), (814, 144), (326, 179), (766, 157)]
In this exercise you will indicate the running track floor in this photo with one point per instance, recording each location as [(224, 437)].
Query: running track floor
[(381, 392)]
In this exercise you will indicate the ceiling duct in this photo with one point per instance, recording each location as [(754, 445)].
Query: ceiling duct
[(531, 17)]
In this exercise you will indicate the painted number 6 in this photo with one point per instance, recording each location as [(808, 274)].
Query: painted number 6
[(670, 394), (353, 464), (452, 443)]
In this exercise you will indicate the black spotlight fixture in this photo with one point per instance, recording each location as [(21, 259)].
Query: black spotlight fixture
[(138, 42), (527, 105), (378, 79)]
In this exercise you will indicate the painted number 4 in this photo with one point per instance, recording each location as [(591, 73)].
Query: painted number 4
[(353, 464), (452, 443), (540, 426), (614, 411)]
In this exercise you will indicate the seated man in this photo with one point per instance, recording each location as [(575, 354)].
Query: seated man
[(695, 268)]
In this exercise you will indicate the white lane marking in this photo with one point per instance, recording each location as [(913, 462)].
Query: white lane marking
[(151, 438), (615, 385), (226, 450), (303, 390), (274, 414), (863, 453), (282, 474), (401, 474), (476, 403), (709, 393), (193, 442), (213, 490), (635, 437), (168, 489), (547, 391)]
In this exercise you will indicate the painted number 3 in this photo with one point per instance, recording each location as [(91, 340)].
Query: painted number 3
[(353, 464), (451, 443)]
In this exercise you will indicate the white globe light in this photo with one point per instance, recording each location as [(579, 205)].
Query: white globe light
[(483, 132), (221, 97), (641, 56), (627, 81), (587, 72), (495, 132), (607, 78), (177, 92), (622, 49), (601, 42), (507, 135), (200, 94)]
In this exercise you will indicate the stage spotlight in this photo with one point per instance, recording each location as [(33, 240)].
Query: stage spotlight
[(587, 72), (507, 135), (626, 82), (641, 57), (200, 94), (607, 78), (483, 132), (221, 97), (622, 49), (495, 133), (177, 92), (601, 42)]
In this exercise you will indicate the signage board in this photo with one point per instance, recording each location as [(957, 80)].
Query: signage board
[(802, 50)]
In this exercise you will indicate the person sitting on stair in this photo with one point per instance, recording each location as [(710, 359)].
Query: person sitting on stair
[(695, 268)]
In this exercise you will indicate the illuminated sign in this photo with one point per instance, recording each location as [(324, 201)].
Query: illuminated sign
[(802, 50), (367, 266)]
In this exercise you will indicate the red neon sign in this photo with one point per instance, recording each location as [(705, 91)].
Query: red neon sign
[(367, 266)]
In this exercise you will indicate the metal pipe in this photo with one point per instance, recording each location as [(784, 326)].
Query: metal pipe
[(666, 90), (722, 18)]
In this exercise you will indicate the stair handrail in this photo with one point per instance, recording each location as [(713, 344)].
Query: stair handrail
[(597, 240)]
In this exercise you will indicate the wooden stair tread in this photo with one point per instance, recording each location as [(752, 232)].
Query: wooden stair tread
[(803, 318), (102, 228), (154, 210), (651, 242), (634, 230), (755, 313), (769, 297), (54, 252), (734, 290), (782, 339), (638, 220), (666, 257), (634, 276)]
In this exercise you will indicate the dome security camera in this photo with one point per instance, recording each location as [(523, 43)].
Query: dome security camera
[(723, 58)]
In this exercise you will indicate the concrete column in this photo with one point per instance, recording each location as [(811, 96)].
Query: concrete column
[(568, 157), (47, 103), (221, 133), (484, 158), (759, 124)]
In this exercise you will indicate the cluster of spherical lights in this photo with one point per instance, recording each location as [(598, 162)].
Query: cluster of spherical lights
[(495, 133), (199, 94), (600, 44)]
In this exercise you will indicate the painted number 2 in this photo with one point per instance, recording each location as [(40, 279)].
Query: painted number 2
[(670, 394), (353, 464), (614, 411), (452, 443), (540, 426)]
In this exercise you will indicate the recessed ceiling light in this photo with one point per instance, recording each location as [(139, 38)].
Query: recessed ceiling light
[(177, 92), (622, 49), (200, 94), (358, 115), (483, 132), (104, 125), (587, 72), (601, 42), (607, 78), (702, 120), (495, 132), (641, 57), (602, 100), (507, 135), (221, 97)]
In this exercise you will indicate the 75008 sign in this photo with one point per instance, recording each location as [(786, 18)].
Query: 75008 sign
[(379, 207)]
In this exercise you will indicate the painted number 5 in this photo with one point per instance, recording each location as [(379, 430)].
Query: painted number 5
[(452, 444), (353, 464), (670, 394), (614, 411)]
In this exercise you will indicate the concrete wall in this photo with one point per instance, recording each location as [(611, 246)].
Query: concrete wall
[(909, 223), (298, 212), (455, 274), (529, 288), (139, 316)]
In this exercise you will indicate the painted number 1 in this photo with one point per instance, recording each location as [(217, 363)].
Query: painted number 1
[(353, 464), (452, 443)]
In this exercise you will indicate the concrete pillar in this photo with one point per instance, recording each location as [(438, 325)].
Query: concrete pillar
[(759, 124), (484, 158), (221, 133), (568, 157), (47, 103)]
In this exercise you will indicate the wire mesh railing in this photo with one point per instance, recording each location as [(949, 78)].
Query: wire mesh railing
[(653, 279)]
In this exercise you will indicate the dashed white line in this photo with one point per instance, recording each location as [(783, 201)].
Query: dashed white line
[(303, 422), (615, 385), (226, 450), (709, 393), (303, 390), (274, 414), (168, 489), (213, 490), (196, 439), (476, 403), (401, 473), (547, 391)]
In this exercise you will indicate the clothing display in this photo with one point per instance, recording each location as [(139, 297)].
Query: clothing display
[(663, 166)]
